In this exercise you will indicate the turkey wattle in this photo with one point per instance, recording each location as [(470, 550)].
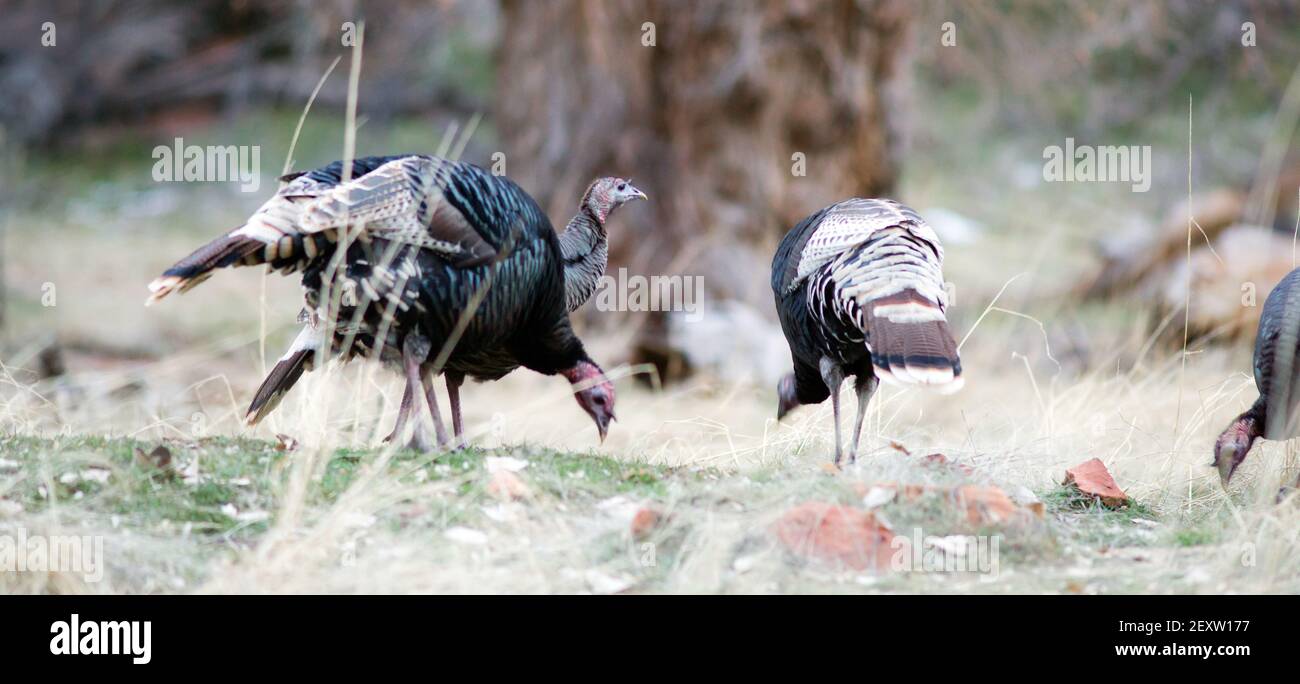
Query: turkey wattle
[(446, 268), (1274, 413), (859, 291)]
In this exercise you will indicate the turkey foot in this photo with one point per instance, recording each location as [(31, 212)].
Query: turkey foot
[(420, 440)]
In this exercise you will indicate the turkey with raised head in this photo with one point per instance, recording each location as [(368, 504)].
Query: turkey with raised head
[(584, 243), (1274, 413), (859, 291), (429, 265)]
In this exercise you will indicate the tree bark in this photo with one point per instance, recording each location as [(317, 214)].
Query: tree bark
[(709, 107)]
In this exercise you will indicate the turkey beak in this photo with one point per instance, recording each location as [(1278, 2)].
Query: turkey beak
[(602, 423), (636, 193), (1226, 462)]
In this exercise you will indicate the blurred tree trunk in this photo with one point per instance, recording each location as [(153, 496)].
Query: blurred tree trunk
[(710, 119)]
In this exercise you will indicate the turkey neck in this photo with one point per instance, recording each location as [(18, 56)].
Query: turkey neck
[(585, 250)]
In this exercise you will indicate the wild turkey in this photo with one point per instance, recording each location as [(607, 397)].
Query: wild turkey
[(859, 290), (1274, 413), (446, 267), (584, 242), (584, 248)]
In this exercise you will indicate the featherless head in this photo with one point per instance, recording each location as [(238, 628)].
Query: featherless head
[(1232, 446), (787, 399), (604, 195), (594, 393)]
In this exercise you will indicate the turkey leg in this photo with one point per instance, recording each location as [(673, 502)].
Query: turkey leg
[(403, 412), (419, 440), (415, 349), (432, 398), (865, 389), (834, 377), (454, 381)]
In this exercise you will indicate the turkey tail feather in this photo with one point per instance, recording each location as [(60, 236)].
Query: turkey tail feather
[(197, 267), (284, 375), (911, 343), (286, 252), (277, 383)]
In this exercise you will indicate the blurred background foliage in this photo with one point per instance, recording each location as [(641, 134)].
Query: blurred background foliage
[(707, 119)]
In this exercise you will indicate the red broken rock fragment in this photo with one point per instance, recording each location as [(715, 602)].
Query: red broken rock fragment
[(1092, 479), (507, 486), (838, 535), (986, 505), (646, 520)]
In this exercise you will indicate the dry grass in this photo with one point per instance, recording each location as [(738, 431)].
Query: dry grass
[(343, 515)]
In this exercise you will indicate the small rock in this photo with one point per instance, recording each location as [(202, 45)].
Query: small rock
[(601, 583), (744, 564), (1092, 479), (190, 475), (618, 507), (836, 534), (496, 464), (501, 512), (465, 535), (1026, 499), (354, 519), (878, 496), (986, 505), (99, 475), (505, 485), (645, 521), (1023, 495)]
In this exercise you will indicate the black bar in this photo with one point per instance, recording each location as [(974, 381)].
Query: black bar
[(226, 633)]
